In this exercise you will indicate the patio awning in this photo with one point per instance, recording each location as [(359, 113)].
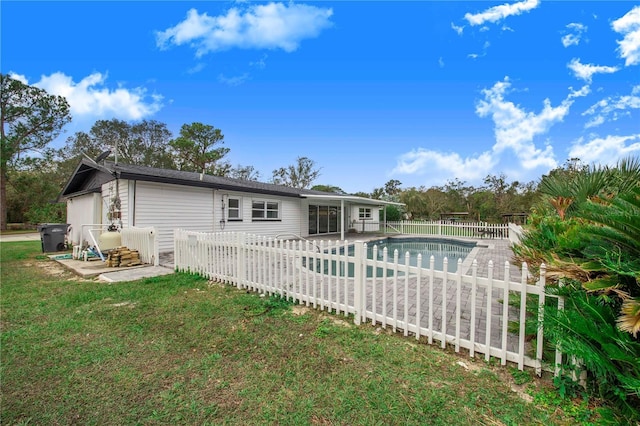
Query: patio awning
[(351, 199)]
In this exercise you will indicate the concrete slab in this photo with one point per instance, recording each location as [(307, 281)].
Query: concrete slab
[(97, 268), (128, 274)]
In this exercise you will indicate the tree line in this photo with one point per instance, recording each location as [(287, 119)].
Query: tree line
[(488, 202), (32, 173)]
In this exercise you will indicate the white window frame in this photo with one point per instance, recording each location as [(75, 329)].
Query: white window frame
[(365, 213), (238, 209), (265, 210)]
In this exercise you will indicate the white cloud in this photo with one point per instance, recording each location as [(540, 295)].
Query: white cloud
[(441, 62), (233, 81), (573, 39), (584, 91), (612, 108), (629, 26), (260, 63), (586, 71), (607, 150), (594, 122), (457, 28), (90, 98), (498, 13), (196, 69), (515, 128), (262, 26), (485, 47), (21, 78), (421, 161)]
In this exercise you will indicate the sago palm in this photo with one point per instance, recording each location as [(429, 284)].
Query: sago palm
[(617, 223)]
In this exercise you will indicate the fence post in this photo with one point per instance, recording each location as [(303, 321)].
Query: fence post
[(358, 280), (244, 253), (541, 302), (558, 357), (177, 260), (523, 315)]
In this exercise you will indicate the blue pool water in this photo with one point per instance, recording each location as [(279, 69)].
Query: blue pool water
[(427, 247)]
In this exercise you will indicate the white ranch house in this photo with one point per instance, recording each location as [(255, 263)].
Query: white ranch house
[(171, 199)]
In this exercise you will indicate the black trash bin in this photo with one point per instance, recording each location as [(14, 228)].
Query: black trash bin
[(52, 236)]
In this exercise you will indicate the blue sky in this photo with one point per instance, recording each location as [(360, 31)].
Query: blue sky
[(419, 91)]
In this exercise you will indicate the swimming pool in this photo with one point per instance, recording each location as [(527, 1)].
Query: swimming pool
[(427, 247)]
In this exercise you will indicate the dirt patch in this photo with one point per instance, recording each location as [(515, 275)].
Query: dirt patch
[(340, 322), (54, 269), (300, 310), (519, 390), (476, 365), (470, 366), (212, 283)]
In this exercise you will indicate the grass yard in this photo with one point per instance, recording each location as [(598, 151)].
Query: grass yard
[(181, 350)]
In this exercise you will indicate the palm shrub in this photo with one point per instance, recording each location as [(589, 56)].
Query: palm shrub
[(586, 228), (586, 331)]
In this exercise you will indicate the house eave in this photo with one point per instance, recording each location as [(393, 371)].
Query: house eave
[(201, 184), (63, 198), (352, 199)]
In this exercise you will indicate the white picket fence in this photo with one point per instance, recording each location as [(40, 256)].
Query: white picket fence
[(449, 229), (515, 233), (467, 311), (144, 240)]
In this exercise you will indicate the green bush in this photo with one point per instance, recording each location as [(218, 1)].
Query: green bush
[(586, 330), (393, 213), (47, 213), (590, 240)]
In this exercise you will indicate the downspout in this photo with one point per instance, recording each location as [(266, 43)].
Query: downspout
[(131, 205)]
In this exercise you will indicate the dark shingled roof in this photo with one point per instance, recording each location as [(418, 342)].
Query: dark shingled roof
[(89, 176)]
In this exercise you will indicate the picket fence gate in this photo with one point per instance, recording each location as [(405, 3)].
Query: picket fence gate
[(481, 314), (144, 240)]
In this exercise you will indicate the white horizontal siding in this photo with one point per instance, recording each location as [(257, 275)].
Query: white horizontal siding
[(290, 210), (81, 210), (108, 192), (168, 207), (124, 202), (369, 224)]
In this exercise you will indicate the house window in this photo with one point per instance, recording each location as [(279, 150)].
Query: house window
[(265, 210), (233, 209), (364, 213)]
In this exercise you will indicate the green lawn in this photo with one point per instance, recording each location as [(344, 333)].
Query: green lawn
[(178, 349)]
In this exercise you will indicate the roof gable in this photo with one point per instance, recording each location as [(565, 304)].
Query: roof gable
[(86, 178)]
